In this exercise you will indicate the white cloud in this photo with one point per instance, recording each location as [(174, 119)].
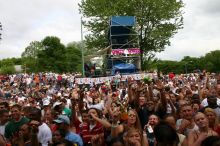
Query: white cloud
[(25, 21), (201, 33)]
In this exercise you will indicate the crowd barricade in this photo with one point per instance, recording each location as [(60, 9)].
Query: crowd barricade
[(100, 80)]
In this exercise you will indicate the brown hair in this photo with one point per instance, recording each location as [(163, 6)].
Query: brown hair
[(137, 123)]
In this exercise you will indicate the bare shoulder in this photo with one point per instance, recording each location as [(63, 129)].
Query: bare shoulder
[(214, 133)]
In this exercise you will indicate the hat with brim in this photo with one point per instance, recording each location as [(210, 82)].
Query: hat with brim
[(56, 104), (65, 95), (46, 102), (62, 119), (58, 121)]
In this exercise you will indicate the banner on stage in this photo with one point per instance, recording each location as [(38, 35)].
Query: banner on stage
[(100, 80)]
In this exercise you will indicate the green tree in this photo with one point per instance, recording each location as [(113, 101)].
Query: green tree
[(73, 59), (6, 62), (166, 66), (212, 60), (209, 62), (7, 69), (158, 21), (29, 56), (150, 62), (52, 56), (191, 64), (33, 49), (76, 45), (7, 66)]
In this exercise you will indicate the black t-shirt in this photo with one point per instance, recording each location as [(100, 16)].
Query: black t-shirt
[(143, 115), (150, 137)]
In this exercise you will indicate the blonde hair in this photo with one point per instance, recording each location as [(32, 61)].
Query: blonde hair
[(133, 130), (207, 110), (210, 110)]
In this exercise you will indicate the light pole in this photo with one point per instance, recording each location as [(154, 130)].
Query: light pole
[(186, 68), (186, 63), (82, 49)]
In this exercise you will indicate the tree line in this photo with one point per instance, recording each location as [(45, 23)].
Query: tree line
[(46, 55), (209, 62), (51, 55)]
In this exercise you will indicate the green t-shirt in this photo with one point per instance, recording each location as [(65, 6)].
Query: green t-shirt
[(12, 127)]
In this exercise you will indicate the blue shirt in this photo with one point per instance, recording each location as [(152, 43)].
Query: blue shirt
[(74, 138)]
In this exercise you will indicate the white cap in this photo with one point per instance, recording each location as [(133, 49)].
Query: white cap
[(65, 94), (59, 94), (62, 119), (46, 102), (57, 103)]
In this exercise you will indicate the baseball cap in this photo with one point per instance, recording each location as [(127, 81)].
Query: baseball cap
[(57, 103), (62, 119), (46, 102)]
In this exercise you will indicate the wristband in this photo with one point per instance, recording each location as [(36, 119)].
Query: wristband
[(114, 126)]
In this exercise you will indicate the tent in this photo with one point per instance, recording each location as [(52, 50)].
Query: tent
[(123, 68)]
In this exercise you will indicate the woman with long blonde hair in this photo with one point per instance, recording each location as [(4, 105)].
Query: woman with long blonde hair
[(134, 137), (213, 119)]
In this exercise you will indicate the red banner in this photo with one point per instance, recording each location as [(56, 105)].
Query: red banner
[(126, 51)]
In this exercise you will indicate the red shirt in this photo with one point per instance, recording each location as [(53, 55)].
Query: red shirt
[(78, 125), (59, 78), (171, 75), (217, 129), (87, 134)]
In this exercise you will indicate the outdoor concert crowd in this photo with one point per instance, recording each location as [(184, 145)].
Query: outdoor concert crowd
[(48, 109)]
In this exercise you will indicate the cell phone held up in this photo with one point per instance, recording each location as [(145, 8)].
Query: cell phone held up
[(150, 129)]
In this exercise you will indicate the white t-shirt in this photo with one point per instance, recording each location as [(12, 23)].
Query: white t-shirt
[(2, 128), (28, 81), (181, 138), (44, 135), (187, 130), (99, 106), (205, 103)]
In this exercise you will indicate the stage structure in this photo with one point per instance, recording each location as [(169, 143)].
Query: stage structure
[(124, 55)]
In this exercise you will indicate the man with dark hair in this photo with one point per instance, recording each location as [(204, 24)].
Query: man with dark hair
[(212, 103), (4, 118), (4, 105), (92, 131), (44, 133), (165, 135), (17, 121), (63, 123)]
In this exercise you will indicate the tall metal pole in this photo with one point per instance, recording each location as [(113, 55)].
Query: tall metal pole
[(82, 49)]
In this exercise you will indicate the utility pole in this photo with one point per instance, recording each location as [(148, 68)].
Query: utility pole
[(82, 49), (186, 68)]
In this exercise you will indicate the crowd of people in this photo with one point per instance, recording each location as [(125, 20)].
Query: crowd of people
[(48, 109)]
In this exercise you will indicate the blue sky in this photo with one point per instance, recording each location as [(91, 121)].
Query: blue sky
[(29, 20)]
